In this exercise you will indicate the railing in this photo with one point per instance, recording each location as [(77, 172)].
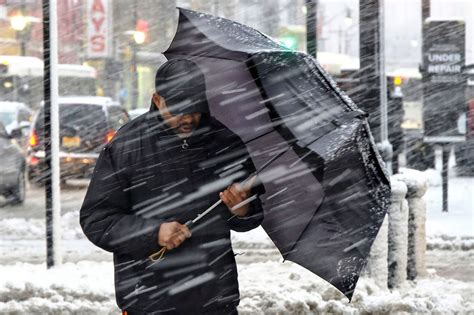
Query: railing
[(399, 251)]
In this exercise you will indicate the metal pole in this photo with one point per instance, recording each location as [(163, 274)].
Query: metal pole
[(311, 27), (444, 174), (22, 46), (383, 76), (373, 96), (22, 33), (51, 133), (446, 148), (134, 60), (134, 75), (386, 145), (369, 99), (425, 10)]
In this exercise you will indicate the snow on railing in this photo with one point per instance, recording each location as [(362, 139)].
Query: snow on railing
[(399, 250), (377, 264), (416, 185), (397, 235)]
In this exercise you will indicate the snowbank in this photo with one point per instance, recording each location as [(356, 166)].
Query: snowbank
[(447, 242), (266, 288), (82, 288), (254, 239), (289, 289), (33, 229)]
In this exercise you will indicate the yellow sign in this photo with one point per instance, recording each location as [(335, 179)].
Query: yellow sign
[(71, 142)]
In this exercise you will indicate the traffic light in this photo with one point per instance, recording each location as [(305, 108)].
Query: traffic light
[(292, 36), (289, 41), (141, 32)]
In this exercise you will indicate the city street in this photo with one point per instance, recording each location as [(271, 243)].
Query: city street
[(72, 194)]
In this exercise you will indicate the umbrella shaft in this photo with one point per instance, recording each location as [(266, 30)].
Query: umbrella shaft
[(199, 217)]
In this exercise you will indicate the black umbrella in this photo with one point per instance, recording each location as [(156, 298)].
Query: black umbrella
[(327, 191)]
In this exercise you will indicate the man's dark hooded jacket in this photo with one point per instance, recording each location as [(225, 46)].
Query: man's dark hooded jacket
[(148, 175)]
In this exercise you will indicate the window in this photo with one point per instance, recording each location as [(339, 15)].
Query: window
[(77, 117), (3, 132), (69, 86), (6, 118), (117, 117), (23, 115), (7, 89)]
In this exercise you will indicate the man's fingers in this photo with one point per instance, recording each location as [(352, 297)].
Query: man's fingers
[(176, 242), (186, 231), (180, 236), (225, 197), (249, 184), (173, 243), (238, 192), (236, 188), (234, 199), (173, 234)]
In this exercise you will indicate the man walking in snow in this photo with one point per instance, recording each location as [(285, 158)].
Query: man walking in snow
[(160, 171)]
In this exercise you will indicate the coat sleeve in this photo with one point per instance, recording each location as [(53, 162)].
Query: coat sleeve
[(106, 217), (230, 148)]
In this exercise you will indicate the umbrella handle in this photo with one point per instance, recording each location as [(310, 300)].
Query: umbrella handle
[(156, 257), (189, 224)]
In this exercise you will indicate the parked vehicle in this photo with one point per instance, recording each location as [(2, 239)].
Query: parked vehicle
[(134, 113), (17, 118), (12, 169), (21, 80), (86, 125)]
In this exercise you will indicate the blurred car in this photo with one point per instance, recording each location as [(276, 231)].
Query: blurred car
[(16, 118), (86, 125), (12, 169), (134, 113)]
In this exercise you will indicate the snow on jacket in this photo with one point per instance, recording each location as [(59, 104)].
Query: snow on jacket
[(146, 176)]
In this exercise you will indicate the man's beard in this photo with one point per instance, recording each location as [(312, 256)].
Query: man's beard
[(186, 128)]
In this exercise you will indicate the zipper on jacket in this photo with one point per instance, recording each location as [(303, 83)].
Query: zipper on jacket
[(185, 144)]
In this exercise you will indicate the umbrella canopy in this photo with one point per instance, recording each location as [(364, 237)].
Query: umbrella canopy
[(327, 193)]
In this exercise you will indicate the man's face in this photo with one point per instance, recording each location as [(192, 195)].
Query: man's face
[(181, 124)]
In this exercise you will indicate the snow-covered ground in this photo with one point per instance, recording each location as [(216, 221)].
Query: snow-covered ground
[(266, 288), (84, 283)]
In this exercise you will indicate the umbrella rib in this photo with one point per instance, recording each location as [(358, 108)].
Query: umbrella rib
[(302, 232)]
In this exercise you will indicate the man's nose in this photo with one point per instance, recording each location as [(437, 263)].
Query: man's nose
[(187, 119)]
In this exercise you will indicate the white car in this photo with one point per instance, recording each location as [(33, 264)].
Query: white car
[(134, 113), (17, 118)]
